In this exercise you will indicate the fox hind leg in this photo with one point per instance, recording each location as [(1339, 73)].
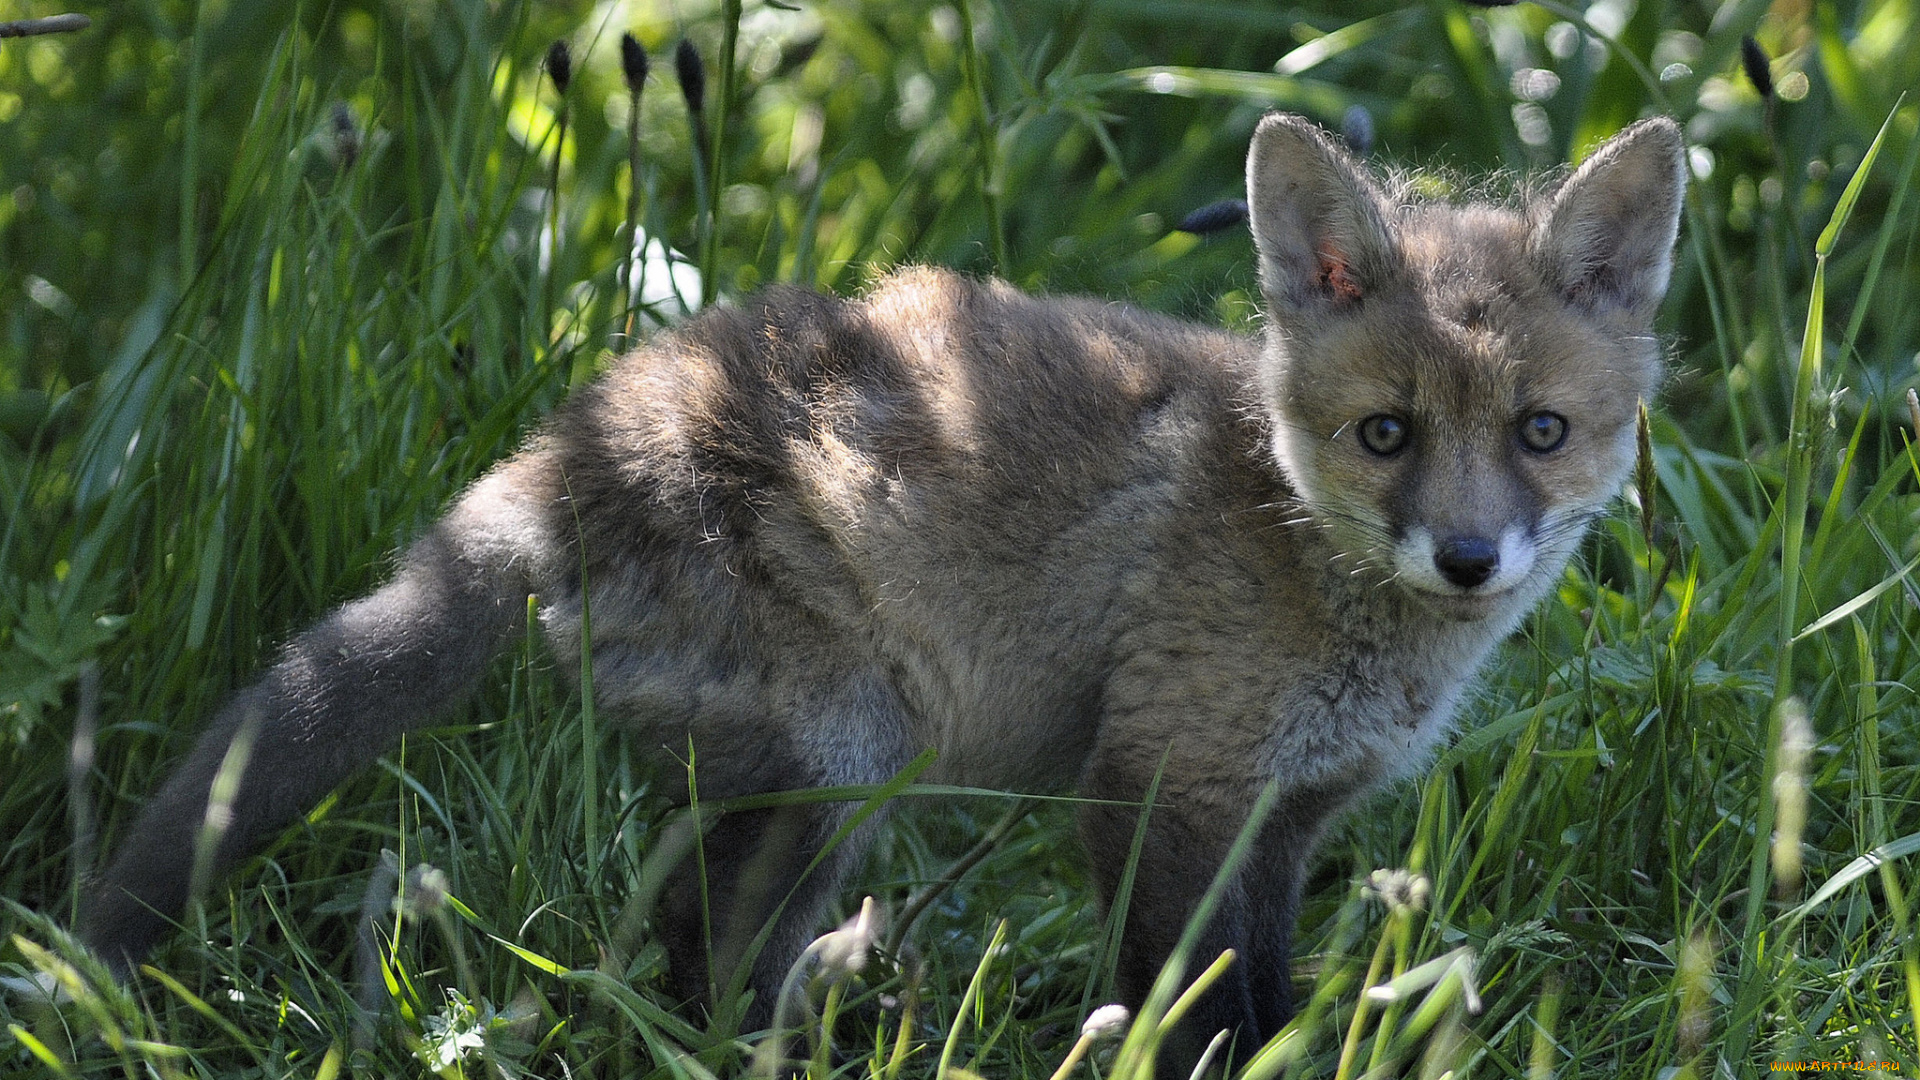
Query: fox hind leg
[(757, 868), (774, 871)]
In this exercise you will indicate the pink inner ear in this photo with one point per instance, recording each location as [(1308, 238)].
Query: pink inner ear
[(1335, 275)]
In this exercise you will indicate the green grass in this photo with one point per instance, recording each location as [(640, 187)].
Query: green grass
[(240, 365)]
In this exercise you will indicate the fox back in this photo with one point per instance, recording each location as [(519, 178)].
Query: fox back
[(1067, 544)]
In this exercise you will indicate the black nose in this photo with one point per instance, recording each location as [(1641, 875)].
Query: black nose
[(1467, 561)]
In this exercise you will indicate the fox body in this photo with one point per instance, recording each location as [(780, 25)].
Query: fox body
[(1068, 544)]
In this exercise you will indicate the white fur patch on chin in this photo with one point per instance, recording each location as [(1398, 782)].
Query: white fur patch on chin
[(1413, 563)]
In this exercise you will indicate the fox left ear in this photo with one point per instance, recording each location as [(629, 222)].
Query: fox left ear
[(1318, 220), (1606, 237)]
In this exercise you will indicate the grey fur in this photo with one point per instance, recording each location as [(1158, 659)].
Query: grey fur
[(1059, 540)]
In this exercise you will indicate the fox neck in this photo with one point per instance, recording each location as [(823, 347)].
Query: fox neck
[(1393, 675)]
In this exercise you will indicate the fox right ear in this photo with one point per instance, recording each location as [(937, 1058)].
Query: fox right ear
[(1317, 219), (1606, 237)]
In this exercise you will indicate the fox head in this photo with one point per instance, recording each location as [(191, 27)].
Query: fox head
[(1453, 388)]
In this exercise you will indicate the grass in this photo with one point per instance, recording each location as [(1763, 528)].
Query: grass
[(1674, 839)]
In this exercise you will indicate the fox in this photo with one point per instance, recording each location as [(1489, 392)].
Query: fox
[(1068, 544)]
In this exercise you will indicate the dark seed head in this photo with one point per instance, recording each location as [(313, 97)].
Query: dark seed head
[(795, 54), (346, 134), (560, 66), (633, 62), (693, 75), (1758, 64), (1214, 217), (1356, 127)]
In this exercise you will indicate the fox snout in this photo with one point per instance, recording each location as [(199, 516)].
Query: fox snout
[(1465, 563)]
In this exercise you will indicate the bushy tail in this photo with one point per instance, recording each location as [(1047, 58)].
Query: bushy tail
[(342, 694)]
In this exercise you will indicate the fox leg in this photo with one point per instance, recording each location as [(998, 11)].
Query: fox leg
[(773, 864), (1176, 864), (753, 863), (1189, 833)]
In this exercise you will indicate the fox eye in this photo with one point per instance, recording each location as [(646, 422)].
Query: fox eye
[(1543, 431), (1383, 434)]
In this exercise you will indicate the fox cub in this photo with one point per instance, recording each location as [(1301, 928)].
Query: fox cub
[(1068, 544)]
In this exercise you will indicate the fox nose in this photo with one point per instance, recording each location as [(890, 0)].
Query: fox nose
[(1466, 561)]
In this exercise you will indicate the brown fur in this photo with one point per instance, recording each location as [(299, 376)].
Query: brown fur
[(1061, 541)]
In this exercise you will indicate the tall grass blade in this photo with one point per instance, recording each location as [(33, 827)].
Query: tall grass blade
[(968, 999), (1802, 435)]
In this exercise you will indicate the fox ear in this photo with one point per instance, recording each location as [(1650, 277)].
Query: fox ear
[(1317, 219), (1606, 237)]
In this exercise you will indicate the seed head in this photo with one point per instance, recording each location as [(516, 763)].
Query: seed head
[(1214, 217), (693, 75), (1645, 477), (346, 135), (1106, 1022), (427, 888), (633, 62), (1790, 796), (1356, 127), (560, 66), (1758, 64), (1402, 890), (844, 951)]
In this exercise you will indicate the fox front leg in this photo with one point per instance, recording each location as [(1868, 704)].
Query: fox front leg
[(1186, 843)]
